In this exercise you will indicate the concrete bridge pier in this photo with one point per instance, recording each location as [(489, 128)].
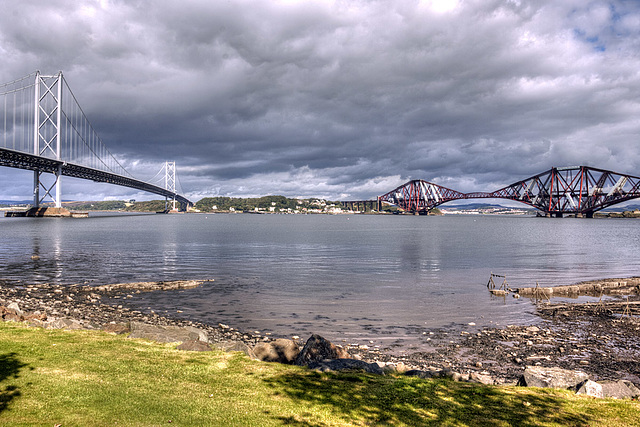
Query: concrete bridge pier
[(361, 205)]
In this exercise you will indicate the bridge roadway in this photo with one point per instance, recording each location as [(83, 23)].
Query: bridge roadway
[(21, 160)]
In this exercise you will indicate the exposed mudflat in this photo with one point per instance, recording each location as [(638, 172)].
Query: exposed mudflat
[(595, 338), (601, 339)]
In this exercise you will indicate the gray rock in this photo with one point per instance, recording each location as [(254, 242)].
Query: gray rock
[(401, 368), (540, 376), (388, 369), (590, 388), (346, 365), (64, 323), (230, 346), (37, 323), (117, 328), (480, 378), (619, 389), (635, 390), (317, 349), (15, 307), (280, 350), (10, 315), (167, 333), (440, 373), (445, 373), (420, 374), (194, 345), (458, 377)]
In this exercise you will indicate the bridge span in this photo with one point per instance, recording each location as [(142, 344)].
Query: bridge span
[(44, 129), (576, 190)]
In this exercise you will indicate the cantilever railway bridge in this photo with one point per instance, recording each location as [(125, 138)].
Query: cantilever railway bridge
[(44, 129), (577, 190)]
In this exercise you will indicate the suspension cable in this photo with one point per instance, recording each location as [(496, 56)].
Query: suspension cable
[(94, 135)]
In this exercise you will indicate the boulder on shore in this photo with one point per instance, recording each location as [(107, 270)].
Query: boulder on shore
[(280, 351), (317, 349), (194, 345), (117, 328), (231, 346), (167, 333), (620, 389), (346, 365), (16, 308), (66, 323), (540, 376), (11, 313), (590, 388)]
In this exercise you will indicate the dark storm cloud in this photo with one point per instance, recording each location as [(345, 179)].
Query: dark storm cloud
[(343, 99)]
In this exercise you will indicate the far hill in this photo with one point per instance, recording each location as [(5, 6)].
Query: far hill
[(117, 205)]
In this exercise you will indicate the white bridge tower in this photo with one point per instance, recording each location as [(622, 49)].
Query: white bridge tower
[(170, 181), (46, 140)]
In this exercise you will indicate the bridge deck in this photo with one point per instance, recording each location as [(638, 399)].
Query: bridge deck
[(20, 160)]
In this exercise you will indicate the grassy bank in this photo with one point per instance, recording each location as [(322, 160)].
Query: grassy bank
[(83, 378)]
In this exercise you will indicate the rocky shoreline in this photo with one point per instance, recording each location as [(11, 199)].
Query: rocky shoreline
[(600, 339)]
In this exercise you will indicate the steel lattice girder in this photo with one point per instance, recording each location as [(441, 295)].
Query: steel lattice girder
[(420, 196), (567, 190), (20, 160), (573, 190)]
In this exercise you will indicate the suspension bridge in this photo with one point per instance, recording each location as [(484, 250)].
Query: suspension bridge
[(577, 190), (45, 130)]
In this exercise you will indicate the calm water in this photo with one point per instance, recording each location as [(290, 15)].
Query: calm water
[(388, 279)]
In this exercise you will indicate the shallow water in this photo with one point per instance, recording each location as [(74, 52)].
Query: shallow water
[(386, 279)]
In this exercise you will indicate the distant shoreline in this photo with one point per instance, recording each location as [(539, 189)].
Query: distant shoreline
[(444, 212)]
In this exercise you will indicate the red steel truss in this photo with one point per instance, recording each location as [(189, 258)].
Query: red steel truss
[(420, 196), (579, 190)]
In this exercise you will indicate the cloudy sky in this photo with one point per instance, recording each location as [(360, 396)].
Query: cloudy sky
[(338, 99)]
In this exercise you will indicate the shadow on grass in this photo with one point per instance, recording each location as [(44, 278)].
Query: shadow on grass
[(9, 368), (383, 400)]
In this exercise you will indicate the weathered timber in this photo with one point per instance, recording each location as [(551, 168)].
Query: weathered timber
[(630, 308), (148, 286), (595, 288)]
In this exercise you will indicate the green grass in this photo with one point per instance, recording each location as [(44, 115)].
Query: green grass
[(83, 378)]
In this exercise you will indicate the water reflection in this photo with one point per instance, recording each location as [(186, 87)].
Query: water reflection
[(47, 251), (356, 275), (57, 256)]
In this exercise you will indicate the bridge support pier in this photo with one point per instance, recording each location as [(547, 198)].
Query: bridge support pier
[(36, 189), (361, 205)]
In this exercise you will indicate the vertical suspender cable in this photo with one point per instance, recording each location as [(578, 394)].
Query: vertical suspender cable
[(24, 117), (21, 115), (5, 121)]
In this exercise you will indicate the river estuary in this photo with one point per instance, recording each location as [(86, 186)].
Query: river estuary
[(385, 279)]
